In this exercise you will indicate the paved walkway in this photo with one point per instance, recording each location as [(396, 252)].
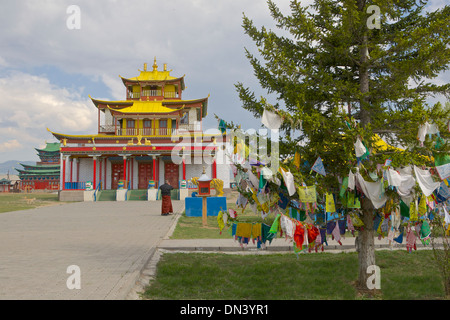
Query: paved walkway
[(278, 245), (110, 242)]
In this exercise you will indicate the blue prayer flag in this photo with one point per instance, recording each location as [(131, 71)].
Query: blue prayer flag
[(318, 167)]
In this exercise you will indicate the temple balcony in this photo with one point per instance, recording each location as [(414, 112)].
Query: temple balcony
[(113, 130), (171, 95), (152, 93), (147, 132), (133, 95)]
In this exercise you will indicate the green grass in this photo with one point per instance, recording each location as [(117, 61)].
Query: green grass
[(18, 201), (323, 276)]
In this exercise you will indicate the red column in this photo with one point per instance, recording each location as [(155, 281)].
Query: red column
[(214, 169), (95, 172), (124, 168), (71, 169), (154, 169), (184, 169), (63, 173)]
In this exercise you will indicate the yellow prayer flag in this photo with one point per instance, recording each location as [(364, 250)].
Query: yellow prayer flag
[(297, 159), (423, 205), (330, 207), (413, 214), (307, 194)]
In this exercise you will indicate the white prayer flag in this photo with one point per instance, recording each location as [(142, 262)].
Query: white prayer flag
[(360, 149), (425, 180), (271, 120)]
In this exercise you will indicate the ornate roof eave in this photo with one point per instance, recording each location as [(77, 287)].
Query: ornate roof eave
[(137, 81), (185, 102), (204, 102), (61, 136), (121, 104), (118, 112), (37, 167), (38, 172)]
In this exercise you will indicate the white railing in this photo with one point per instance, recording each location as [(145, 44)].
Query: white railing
[(147, 132), (134, 95), (151, 93), (170, 94)]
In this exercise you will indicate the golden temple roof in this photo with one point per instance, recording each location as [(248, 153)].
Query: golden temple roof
[(154, 75), (158, 106), (146, 107)]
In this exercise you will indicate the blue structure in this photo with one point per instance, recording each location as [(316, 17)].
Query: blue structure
[(193, 206)]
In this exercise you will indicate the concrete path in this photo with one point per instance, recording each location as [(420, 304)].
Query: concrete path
[(110, 242), (278, 245)]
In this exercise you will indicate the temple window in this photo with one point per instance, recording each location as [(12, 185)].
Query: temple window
[(163, 123), (131, 124), (147, 123)]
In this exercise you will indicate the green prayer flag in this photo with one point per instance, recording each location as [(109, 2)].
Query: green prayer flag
[(276, 224), (404, 209)]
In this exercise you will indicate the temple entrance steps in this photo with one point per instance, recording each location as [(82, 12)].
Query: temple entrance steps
[(106, 195), (139, 195)]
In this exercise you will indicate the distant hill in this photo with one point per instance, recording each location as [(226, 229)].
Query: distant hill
[(11, 164)]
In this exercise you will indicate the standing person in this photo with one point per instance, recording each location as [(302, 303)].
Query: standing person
[(166, 205)]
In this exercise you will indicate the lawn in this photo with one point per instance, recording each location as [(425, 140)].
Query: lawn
[(322, 276), (315, 276), (24, 201)]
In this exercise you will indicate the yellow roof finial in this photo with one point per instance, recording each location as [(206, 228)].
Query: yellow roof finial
[(155, 66), (145, 66)]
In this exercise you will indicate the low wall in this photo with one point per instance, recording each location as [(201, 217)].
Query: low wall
[(71, 195)]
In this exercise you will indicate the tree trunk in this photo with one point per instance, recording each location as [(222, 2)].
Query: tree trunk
[(365, 245)]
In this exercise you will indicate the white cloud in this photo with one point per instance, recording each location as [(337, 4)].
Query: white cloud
[(31, 104), (10, 145)]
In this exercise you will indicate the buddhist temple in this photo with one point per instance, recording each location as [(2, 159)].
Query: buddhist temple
[(151, 136), (45, 174)]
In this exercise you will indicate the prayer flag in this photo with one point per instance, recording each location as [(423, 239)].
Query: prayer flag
[(318, 167), (330, 207), (307, 194), (443, 171), (360, 149), (271, 120), (297, 159)]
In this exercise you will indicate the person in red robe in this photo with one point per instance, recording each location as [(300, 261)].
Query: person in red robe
[(166, 205)]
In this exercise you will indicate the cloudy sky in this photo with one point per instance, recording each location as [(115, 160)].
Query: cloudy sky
[(47, 70)]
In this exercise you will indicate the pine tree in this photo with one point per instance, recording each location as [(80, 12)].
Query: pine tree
[(349, 69)]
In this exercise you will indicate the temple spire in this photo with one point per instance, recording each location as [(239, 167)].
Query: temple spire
[(155, 66)]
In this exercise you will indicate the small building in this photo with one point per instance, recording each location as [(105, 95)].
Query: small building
[(5, 185), (151, 136), (45, 174)]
